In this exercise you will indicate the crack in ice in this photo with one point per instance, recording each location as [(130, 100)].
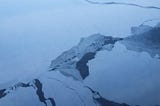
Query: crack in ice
[(122, 3)]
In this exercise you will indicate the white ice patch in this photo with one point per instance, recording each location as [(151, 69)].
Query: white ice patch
[(125, 76)]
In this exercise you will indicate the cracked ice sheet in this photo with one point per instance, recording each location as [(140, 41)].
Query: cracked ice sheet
[(64, 89), (31, 40), (125, 76)]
